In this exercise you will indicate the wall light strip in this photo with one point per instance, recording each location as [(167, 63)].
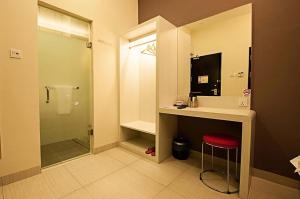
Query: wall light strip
[(60, 22)]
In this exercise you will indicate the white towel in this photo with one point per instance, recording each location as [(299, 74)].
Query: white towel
[(63, 99)]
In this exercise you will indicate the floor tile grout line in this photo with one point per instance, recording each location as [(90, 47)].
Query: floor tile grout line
[(72, 175), (78, 180), (159, 192), (70, 193), (182, 173), (124, 165), (177, 178), (139, 157), (165, 188), (51, 189), (127, 166), (80, 186), (46, 183), (154, 179), (83, 186), (91, 196), (130, 164), (101, 178), (177, 192), (147, 176), (188, 168), (169, 185), (112, 158)]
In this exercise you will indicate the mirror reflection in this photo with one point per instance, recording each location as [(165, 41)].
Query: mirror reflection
[(214, 54)]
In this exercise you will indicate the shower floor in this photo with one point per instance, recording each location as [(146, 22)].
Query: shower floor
[(60, 151)]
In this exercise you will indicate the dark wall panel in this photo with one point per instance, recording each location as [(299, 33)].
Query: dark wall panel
[(276, 70), (192, 129)]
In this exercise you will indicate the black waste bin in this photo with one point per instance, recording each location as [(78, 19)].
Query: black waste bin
[(180, 148)]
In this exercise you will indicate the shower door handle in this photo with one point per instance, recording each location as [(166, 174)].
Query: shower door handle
[(48, 94), (91, 132)]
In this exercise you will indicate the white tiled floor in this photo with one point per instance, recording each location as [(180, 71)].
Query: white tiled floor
[(162, 173), (93, 167), (30, 188), (166, 193), (189, 186), (123, 156), (125, 183), (117, 174)]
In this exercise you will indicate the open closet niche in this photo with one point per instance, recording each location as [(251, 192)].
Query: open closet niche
[(148, 79)]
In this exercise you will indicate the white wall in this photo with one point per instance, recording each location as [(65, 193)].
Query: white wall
[(19, 87), (19, 78), (184, 54)]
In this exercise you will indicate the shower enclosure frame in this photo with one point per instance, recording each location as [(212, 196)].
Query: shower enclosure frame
[(90, 130)]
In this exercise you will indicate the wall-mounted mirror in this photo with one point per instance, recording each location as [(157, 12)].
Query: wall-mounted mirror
[(214, 54)]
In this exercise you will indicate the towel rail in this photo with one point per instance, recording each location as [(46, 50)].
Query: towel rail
[(53, 87), (48, 94)]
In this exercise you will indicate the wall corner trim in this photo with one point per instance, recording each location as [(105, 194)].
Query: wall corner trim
[(273, 177), (104, 147)]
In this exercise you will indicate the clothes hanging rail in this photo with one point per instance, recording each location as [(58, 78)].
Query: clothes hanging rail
[(142, 43)]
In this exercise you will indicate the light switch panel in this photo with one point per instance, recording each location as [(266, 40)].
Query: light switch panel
[(15, 53)]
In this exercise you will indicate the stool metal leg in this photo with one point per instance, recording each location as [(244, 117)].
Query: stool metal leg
[(212, 157), (211, 170), (236, 159), (202, 157), (227, 170)]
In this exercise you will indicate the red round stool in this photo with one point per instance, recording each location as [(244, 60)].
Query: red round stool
[(223, 142)]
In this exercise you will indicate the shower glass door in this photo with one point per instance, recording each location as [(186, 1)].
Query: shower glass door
[(65, 93)]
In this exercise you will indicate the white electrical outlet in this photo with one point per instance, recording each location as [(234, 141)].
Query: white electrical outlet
[(15, 53), (243, 101)]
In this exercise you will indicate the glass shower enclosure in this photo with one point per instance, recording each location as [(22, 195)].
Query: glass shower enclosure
[(65, 86)]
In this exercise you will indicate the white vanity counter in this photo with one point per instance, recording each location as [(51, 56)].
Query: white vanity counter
[(168, 129), (236, 115)]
